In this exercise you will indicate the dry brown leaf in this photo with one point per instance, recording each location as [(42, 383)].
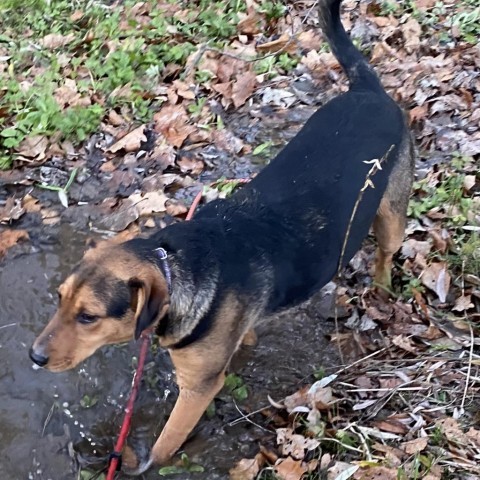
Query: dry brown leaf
[(452, 431), (247, 468), (425, 4), (284, 43), (401, 341), (191, 164), (243, 88), (250, 24), (31, 204), (297, 399), (172, 122), (463, 303), (33, 147), (12, 210), (418, 113), (150, 202), (225, 140), (474, 435), (175, 207), (295, 445), (415, 446), (9, 238), (412, 247), (131, 142), (290, 469), (436, 278), (440, 240), (376, 473), (392, 426), (56, 40), (411, 33), (115, 119)]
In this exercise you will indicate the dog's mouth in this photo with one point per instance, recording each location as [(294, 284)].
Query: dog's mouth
[(60, 365)]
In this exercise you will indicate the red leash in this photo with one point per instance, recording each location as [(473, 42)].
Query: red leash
[(116, 455), (115, 459)]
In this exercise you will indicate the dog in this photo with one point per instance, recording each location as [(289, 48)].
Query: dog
[(206, 283)]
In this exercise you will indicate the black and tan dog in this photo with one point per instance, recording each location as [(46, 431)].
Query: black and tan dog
[(269, 246)]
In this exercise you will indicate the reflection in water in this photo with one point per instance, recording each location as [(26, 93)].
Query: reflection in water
[(43, 415)]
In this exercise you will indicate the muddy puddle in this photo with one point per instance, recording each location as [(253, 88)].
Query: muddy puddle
[(52, 425)]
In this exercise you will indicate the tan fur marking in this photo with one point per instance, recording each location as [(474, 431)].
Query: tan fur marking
[(389, 228)]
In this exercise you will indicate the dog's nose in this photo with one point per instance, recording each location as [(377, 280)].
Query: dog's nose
[(38, 358)]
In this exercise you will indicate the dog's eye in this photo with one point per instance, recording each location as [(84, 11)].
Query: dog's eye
[(86, 318)]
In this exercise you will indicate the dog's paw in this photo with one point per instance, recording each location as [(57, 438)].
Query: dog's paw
[(142, 467), (136, 462)]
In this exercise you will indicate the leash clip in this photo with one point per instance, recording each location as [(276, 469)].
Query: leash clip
[(118, 456), (162, 255)]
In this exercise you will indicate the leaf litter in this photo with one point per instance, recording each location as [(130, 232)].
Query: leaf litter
[(403, 403)]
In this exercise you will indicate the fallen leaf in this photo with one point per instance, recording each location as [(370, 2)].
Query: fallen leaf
[(284, 43), (247, 468), (175, 207), (9, 238), (131, 142), (12, 210), (243, 88), (403, 342), (56, 40), (436, 278), (191, 164), (415, 446), (377, 473), (463, 303), (412, 247), (295, 445), (411, 31), (290, 469), (148, 203), (172, 122), (33, 147)]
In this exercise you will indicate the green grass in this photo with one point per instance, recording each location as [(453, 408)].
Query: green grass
[(114, 58)]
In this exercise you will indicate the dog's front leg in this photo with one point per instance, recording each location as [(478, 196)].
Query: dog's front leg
[(200, 376)]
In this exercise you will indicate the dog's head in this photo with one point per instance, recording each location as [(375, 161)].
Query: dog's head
[(110, 297)]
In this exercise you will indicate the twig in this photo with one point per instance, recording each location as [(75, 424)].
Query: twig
[(347, 447), (376, 165), (470, 353), (8, 325), (49, 416), (245, 417)]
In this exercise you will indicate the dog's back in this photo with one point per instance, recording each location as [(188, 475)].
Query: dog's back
[(302, 209)]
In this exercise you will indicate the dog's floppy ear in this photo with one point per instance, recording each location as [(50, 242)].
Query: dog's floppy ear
[(145, 304)]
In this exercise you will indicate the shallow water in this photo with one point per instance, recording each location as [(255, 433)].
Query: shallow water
[(46, 433)]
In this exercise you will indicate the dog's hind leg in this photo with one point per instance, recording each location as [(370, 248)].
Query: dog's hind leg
[(389, 228), (250, 338), (390, 221)]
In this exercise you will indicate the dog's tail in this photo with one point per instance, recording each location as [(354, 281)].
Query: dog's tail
[(359, 72)]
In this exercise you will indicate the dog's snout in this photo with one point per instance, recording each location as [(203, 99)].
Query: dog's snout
[(38, 358)]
